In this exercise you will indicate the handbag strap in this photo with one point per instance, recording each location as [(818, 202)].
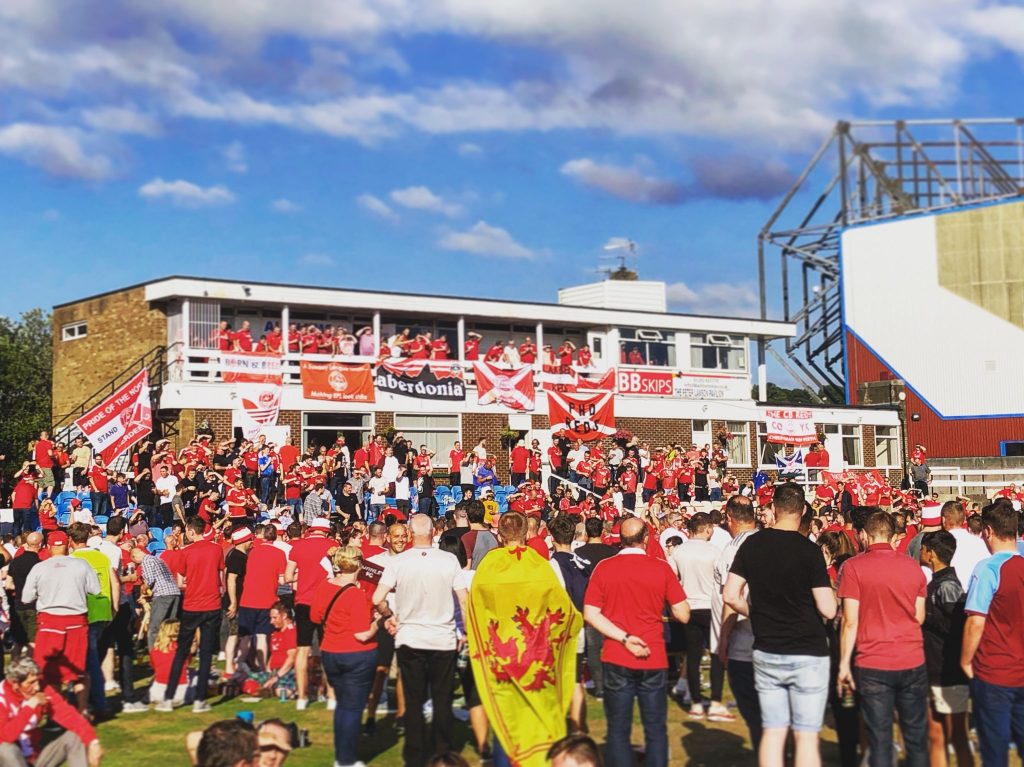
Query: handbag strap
[(330, 605)]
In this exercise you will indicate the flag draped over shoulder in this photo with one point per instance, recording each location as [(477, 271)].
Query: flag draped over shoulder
[(522, 630)]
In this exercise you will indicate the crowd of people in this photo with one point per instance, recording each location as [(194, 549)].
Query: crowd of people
[(321, 575)]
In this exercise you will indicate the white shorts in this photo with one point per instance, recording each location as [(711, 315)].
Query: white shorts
[(950, 700)]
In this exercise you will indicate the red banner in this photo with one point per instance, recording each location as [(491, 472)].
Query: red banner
[(121, 420), (337, 382), (582, 416), (654, 383), (511, 388)]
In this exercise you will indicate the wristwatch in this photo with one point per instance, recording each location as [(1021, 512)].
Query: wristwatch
[(625, 638)]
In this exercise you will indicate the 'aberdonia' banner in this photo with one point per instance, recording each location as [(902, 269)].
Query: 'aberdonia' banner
[(422, 379)]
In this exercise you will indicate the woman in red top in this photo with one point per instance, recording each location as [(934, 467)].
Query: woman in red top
[(348, 650)]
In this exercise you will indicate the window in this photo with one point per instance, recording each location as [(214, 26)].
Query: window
[(325, 428), (437, 432), (739, 443), (887, 446), (639, 346), (718, 351), (701, 431), (73, 331), (766, 451), (203, 323), (852, 455)]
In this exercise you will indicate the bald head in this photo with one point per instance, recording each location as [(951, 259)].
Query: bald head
[(34, 541), (422, 527), (633, 532)]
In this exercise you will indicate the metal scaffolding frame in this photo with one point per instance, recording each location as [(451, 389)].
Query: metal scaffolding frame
[(870, 171)]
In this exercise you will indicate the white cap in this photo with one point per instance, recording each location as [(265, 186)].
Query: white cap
[(319, 524)]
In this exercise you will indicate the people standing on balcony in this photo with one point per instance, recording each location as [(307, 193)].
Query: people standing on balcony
[(528, 351), (242, 338), (367, 345), (471, 346), (495, 353), (565, 353), (325, 341), (510, 355), (547, 355), (584, 357)]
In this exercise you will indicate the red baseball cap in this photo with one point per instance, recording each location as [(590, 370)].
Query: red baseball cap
[(76, 503), (57, 538)]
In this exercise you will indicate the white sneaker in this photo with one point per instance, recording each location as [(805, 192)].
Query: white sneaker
[(111, 687), (354, 764), (164, 706), (135, 707), (301, 704), (200, 707)]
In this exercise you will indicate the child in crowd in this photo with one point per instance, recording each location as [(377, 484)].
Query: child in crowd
[(161, 657)]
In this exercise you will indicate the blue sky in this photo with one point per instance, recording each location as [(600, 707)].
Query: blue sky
[(448, 146)]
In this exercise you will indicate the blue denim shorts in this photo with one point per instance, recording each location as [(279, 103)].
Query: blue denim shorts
[(792, 690)]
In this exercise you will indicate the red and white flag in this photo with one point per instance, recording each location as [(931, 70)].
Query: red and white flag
[(257, 379), (582, 416), (790, 427), (605, 383), (511, 388), (558, 378), (121, 420)]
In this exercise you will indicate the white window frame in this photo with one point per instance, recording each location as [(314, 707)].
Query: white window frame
[(740, 433), (893, 439), (74, 331), (306, 429), (644, 336), (707, 432), (719, 341), (448, 436)]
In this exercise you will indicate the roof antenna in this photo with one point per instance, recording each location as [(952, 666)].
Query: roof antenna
[(623, 249)]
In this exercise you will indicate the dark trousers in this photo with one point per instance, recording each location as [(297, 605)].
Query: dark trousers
[(623, 686), (906, 691), (207, 623), (427, 674), (350, 675), (999, 719), (22, 518), (97, 684), (595, 641), (100, 504), (741, 682), (698, 637), (118, 635), (517, 478), (266, 483)]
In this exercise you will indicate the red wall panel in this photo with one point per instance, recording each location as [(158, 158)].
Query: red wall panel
[(949, 438)]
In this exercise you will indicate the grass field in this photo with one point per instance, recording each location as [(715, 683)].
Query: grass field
[(159, 738)]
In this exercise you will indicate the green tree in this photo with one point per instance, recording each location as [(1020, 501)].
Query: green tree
[(779, 395), (26, 378)]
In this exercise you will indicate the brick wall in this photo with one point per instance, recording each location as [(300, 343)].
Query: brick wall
[(219, 421), (488, 426), (867, 435), (382, 422), (121, 328)]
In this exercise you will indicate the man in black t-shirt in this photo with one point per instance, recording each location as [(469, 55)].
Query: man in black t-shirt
[(790, 593), (590, 553), (347, 504), (23, 617), (234, 565)]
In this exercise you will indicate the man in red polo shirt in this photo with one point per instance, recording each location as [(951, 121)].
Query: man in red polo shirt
[(519, 459), (307, 572), (264, 572), (201, 565), (471, 347), (495, 352), (243, 338), (455, 458), (528, 351), (625, 600), (883, 595)]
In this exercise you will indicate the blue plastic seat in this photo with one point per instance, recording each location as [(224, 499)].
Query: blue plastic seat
[(157, 533), (168, 531), (155, 547), (101, 520), (457, 494)]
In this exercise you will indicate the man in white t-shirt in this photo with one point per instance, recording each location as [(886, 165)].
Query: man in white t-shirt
[(732, 639), (675, 528), (378, 495), (970, 549), (423, 579), (573, 457)]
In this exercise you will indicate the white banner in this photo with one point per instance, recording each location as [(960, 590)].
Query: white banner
[(257, 406), (790, 427)]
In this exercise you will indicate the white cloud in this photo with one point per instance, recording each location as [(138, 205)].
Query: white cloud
[(624, 183), (421, 198), (234, 157), (284, 205), (316, 259), (468, 149), (715, 298), (185, 194), (376, 206), (58, 150), (123, 119), (482, 239)]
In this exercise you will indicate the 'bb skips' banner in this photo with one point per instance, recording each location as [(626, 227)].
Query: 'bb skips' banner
[(422, 379), (337, 382), (121, 420)]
